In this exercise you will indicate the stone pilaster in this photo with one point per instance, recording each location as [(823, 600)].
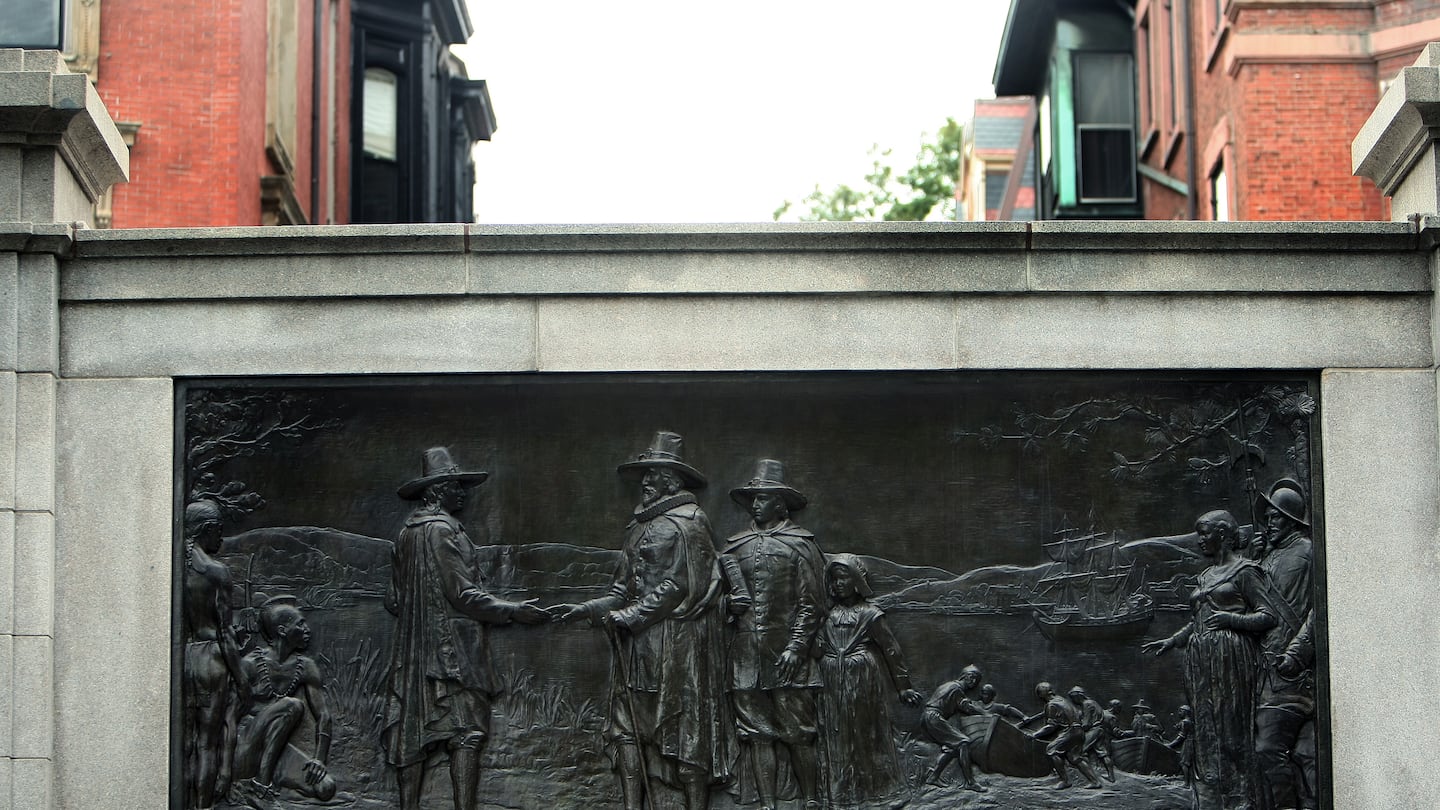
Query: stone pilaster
[(59, 152)]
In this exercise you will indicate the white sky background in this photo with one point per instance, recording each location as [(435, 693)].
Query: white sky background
[(682, 111)]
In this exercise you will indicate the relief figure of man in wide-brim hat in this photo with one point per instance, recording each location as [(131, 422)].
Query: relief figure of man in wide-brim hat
[(775, 575), (667, 720), (441, 686)]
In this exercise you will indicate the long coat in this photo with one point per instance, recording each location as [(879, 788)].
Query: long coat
[(784, 572), (665, 595), (441, 680)]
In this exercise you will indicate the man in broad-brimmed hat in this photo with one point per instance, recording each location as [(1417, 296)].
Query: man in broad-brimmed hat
[(1285, 711), (1143, 722), (776, 578), (441, 685), (661, 611)]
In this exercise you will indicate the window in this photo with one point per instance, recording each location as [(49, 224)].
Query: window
[(35, 24), (995, 182), (1105, 127), (381, 119), (1219, 195)]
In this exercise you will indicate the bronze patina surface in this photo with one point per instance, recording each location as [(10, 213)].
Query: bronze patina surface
[(779, 590)]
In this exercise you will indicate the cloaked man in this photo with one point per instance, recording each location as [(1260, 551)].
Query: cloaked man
[(775, 575), (661, 614)]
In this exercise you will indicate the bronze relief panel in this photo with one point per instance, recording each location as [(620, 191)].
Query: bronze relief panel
[(804, 590)]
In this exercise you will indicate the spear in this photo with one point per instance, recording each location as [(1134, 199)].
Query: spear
[(1250, 488)]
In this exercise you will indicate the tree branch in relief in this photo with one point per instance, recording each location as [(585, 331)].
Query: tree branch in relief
[(1209, 434)]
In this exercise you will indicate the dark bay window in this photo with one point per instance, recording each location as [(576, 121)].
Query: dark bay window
[(1105, 126)]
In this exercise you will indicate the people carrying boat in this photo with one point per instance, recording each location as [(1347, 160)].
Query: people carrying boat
[(1097, 733), (1118, 729), (990, 705), (862, 668), (1064, 734), (1144, 722), (949, 700)]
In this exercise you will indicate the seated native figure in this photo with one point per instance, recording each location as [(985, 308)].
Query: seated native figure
[(284, 685)]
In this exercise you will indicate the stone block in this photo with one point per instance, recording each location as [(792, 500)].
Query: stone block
[(1219, 237), (1383, 581), (297, 337), (33, 237), (71, 151), (264, 276), (7, 577), (1281, 257), (1396, 146), (113, 597), (633, 334), (286, 240), (827, 237), (1228, 271), (8, 415), (793, 258), (34, 574), (33, 684), (32, 784), (12, 176), (7, 699), (690, 272), (44, 61), (38, 314), (1192, 331), (35, 441), (9, 310)]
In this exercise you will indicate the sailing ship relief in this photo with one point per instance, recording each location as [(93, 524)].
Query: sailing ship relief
[(1094, 594)]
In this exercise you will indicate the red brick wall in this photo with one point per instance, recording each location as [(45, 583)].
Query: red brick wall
[(1304, 20), (251, 56), (1293, 127), (1281, 130), (192, 74), (1404, 12), (175, 71)]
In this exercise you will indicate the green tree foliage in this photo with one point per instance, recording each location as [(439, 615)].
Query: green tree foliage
[(926, 190)]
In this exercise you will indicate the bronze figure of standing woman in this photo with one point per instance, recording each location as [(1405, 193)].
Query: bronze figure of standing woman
[(1231, 609)]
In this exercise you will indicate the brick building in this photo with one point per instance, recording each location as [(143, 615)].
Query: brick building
[(1000, 132), (1278, 90), (1243, 109), (250, 112)]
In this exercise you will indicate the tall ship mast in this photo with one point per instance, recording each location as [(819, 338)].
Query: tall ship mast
[(1092, 593)]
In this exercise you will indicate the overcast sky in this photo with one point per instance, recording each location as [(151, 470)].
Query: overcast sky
[(640, 111)]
